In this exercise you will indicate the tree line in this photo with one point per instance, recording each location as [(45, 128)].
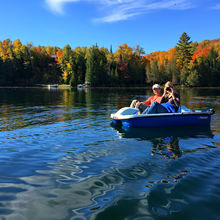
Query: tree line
[(188, 63)]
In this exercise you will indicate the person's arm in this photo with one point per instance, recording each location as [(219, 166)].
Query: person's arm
[(176, 100), (158, 99), (148, 101), (163, 98)]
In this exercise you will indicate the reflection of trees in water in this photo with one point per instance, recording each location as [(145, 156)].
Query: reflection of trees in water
[(167, 147), (201, 98), (110, 98)]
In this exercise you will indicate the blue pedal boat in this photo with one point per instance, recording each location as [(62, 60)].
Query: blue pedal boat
[(131, 117)]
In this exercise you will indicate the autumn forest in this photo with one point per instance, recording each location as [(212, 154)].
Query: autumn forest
[(188, 63)]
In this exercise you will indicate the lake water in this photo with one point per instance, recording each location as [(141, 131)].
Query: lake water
[(60, 158)]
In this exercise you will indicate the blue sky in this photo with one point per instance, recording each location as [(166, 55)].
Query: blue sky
[(152, 24)]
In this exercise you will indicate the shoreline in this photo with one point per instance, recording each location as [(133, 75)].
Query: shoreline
[(97, 87)]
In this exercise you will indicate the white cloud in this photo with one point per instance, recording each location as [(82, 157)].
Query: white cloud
[(57, 5), (117, 10), (130, 8)]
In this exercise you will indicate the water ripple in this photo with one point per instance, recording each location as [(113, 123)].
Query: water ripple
[(61, 159)]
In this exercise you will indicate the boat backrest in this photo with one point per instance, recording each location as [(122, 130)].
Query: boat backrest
[(127, 111)]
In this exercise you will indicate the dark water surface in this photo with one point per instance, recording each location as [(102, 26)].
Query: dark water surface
[(61, 159)]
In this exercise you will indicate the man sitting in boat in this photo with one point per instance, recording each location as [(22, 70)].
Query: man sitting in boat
[(143, 105), (169, 103)]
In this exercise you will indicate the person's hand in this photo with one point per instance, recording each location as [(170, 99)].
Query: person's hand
[(172, 93), (137, 104)]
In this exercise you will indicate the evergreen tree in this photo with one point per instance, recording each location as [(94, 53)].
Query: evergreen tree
[(116, 75), (153, 73), (184, 51), (172, 71), (96, 66), (102, 76), (80, 64), (212, 57), (193, 78), (90, 66), (203, 72), (2, 72)]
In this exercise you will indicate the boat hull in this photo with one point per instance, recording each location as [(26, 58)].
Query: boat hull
[(165, 120), (149, 133)]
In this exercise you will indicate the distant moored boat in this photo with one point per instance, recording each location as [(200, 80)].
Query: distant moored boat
[(80, 86), (50, 86)]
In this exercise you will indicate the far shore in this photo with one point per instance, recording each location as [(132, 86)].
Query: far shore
[(99, 87)]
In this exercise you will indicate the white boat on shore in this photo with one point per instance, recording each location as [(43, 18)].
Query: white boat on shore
[(86, 85), (80, 86), (52, 86)]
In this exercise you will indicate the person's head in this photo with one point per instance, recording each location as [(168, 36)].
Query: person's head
[(156, 89), (168, 87)]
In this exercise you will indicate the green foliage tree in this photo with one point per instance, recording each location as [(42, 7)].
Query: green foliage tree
[(139, 51), (153, 73), (2, 73), (136, 69), (193, 78), (91, 65), (212, 58), (172, 71), (80, 64), (96, 66), (26, 64)]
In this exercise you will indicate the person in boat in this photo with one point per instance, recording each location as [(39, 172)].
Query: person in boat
[(143, 105), (169, 103)]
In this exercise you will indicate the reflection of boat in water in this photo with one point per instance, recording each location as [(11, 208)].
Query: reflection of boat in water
[(148, 133), (130, 117), (165, 142)]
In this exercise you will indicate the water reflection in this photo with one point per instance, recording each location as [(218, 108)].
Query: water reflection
[(165, 141), (160, 201), (167, 147), (24, 107), (58, 147)]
